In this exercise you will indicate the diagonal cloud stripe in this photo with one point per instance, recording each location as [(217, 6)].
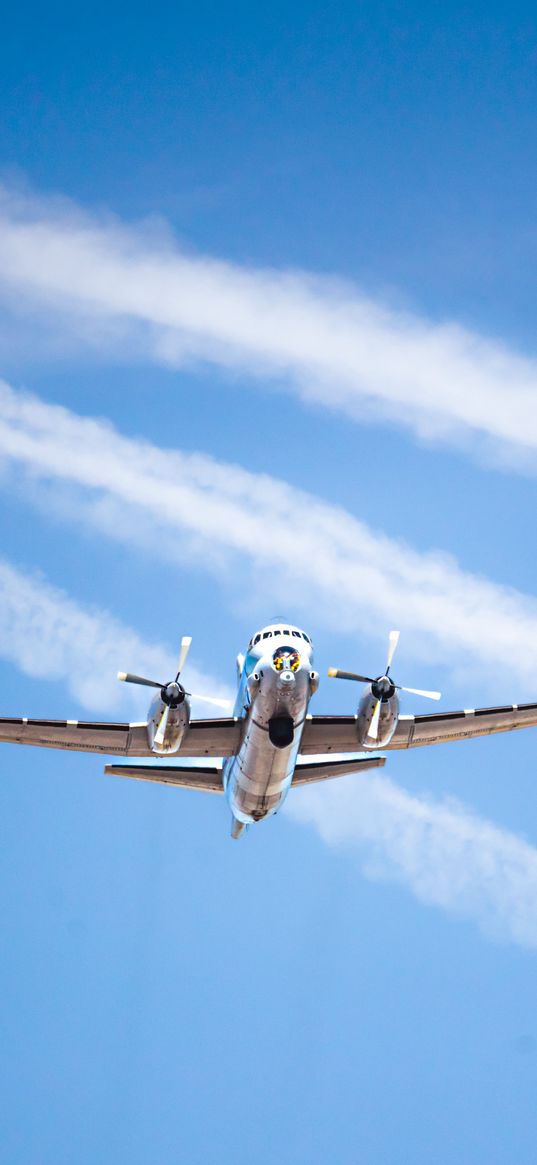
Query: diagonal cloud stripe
[(48, 635), (440, 850), (326, 340), (297, 547)]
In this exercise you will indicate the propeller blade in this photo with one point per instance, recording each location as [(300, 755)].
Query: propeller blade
[(185, 648), (393, 641), (373, 730), (211, 700), (337, 674), (163, 724), (420, 692), (131, 679)]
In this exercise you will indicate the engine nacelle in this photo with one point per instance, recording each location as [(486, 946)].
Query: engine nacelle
[(389, 715), (167, 721)]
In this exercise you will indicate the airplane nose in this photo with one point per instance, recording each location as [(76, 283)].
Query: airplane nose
[(287, 678)]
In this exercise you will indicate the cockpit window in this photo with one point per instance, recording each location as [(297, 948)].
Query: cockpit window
[(276, 633)]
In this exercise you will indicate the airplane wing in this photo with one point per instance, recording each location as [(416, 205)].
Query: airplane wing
[(206, 778), (203, 737), (440, 727), (304, 774), (324, 734), (222, 736)]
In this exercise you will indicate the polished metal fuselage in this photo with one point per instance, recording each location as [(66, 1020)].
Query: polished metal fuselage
[(274, 705)]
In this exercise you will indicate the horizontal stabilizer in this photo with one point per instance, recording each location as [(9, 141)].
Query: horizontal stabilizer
[(206, 778), (323, 770)]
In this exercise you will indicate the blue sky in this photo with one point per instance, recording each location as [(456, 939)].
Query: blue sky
[(267, 345)]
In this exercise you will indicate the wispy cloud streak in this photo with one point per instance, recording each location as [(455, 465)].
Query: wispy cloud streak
[(135, 289), (48, 635), (441, 851), (294, 547)]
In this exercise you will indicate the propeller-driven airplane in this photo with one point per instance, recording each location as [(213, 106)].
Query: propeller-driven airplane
[(265, 745)]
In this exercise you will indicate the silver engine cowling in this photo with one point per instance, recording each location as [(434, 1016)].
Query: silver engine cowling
[(378, 710), (168, 720), (389, 715)]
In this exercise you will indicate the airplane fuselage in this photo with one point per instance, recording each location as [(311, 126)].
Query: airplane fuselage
[(275, 687)]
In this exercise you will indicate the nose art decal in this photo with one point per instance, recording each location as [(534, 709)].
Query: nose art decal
[(286, 659)]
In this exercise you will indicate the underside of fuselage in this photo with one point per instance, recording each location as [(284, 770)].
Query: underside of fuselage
[(275, 688)]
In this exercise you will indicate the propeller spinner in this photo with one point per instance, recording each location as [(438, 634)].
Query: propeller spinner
[(382, 687)]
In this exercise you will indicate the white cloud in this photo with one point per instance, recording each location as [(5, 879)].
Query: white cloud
[(291, 547), (47, 635), (441, 851), (134, 291)]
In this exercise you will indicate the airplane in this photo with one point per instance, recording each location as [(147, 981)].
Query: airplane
[(266, 743)]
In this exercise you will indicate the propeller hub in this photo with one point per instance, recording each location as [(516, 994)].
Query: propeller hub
[(173, 694), (383, 688)]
